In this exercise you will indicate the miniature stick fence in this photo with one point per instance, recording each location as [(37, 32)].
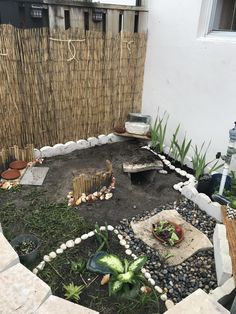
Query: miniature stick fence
[(88, 184), (15, 153), (67, 85)]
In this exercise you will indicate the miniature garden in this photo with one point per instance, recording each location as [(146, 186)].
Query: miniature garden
[(128, 244)]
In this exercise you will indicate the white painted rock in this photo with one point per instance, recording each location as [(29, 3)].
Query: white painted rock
[(35, 271), (169, 304), (59, 149), (70, 243), (189, 192), (84, 237), (46, 258), (47, 151), (70, 147), (119, 236), (128, 252), (163, 297), (147, 275), (82, 144), (93, 141), (112, 138), (139, 128), (102, 139), (41, 265), (91, 234), (151, 281), (110, 228), (122, 242), (52, 255), (158, 289), (63, 246), (59, 251), (78, 240), (102, 228), (37, 153)]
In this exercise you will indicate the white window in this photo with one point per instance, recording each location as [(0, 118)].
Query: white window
[(224, 16)]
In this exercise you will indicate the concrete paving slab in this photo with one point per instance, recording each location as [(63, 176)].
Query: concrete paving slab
[(55, 305), (194, 240), (198, 302), (34, 176), (21, 291), (8, 255)]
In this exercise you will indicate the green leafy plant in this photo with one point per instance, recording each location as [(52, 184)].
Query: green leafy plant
[(127, 277), (79, 266), (182, 149), (73, 292), (167, 232), (233, 183), (158, 133), (102, 237), (173, 152), (199, 161)]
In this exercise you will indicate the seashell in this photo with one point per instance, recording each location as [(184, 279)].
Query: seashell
[(108, 196), (105, 279), (102, 197), (146, 289), (6, 185), (52, 255), (83, 199)]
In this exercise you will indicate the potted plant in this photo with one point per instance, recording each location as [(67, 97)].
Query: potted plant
[(168, 232), (26, 246), (126, 278)]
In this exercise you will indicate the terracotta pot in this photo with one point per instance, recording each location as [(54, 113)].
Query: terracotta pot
[(18, 164), (10, 174), (181, 236)]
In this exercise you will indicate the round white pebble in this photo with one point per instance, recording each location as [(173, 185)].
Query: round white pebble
[(128, 252), (143, 270), (52, 255), (151, 281), (147, 275), (127, 246), (110, 228), (70, 243), (116, 231), (41, 265), (35, 271), (158, 289), (77, 240), (59, 251), (63, 246), (102, 228), (176, 187), (119, 236), (122, 242), (91, 234), (46, 258), (163, 297), (85, 236)]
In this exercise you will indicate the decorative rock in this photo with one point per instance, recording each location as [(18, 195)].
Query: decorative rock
[(116, 231), (163, 297), (162, 171), (202, 200), (127, 246), (41, 265), (84, 237), (112, 138), (102, 228), (214, 210), (93, 141), (102, 139), (35, 271), (70, 147), (122, 242), (37, 153), (70, 243), (147, 275), (176, 187), (59, 149), (59, 251), (128, 252), (47, 151), (119, 236), (52, 255), (172, 167), (63, 246), (169, 304), (91, 234), (108, 196), (82, 144), (177, 170), (151, 281), (158, 289), (78, 240), (46, 258), (110, 228), (183, 173), (189, 192)]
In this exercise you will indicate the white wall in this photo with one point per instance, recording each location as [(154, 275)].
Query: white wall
[(193, 78)]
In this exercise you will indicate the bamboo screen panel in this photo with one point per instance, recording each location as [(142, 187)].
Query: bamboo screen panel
[(67, 85)]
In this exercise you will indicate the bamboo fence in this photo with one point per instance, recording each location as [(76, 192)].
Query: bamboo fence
[(67, 85), (15, 153)]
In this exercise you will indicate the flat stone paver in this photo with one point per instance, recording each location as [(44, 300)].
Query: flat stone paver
[(199, 302), (34, 176), (134, 167), (55, 305), (8, 256), (21, 291), (194, 240)]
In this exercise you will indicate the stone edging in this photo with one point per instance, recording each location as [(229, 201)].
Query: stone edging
[(123, 242)]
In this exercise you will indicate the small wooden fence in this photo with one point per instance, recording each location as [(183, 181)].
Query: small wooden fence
[(67, 85), (15, 153), (90, 183)]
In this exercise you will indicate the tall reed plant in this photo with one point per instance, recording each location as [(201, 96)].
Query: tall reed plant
[(158, 133), (182, 149)]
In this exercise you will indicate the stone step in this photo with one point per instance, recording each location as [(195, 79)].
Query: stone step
[(199, 302), (21, 291), (8, 255), (55, 305)]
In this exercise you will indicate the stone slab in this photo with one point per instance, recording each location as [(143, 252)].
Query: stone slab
[(194, 240), (134, 168), (34, 176), (21, 291), (8, 255), (199, 302), (223, 292), (55, 305)]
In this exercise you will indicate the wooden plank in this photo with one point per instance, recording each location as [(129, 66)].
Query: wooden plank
[(142, 22), (128, 24), (77, 18), (113, 21), (230, 225), (126, 134)]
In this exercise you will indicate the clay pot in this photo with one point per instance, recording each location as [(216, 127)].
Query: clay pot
[(181, 236), (10, 174), (18, 164)]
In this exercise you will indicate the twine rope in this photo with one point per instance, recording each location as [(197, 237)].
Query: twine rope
[(70, 45), (128, 45), (3, 54)]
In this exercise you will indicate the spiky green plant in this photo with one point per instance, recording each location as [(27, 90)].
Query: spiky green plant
[(182, 149), (102, 237), (173, 152), (158, 133), (126, 276), (73, 292)]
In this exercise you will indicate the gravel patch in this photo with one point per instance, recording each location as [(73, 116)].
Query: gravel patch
[(198, 271)]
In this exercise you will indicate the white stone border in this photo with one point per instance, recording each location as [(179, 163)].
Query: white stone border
[(123, 242), (69, 147)]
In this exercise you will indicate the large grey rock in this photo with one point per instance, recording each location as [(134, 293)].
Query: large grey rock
[(34, 176), (8, 256), (21, 291), (198, 302), (55, 305), (194, 240)]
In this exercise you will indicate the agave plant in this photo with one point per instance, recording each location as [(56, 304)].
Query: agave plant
[(126, 276), (73, 292)]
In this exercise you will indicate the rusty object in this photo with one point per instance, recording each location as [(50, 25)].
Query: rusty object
[(10, 174), (18, 164)]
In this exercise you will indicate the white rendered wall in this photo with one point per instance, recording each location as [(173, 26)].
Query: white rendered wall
[(192, 78)]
